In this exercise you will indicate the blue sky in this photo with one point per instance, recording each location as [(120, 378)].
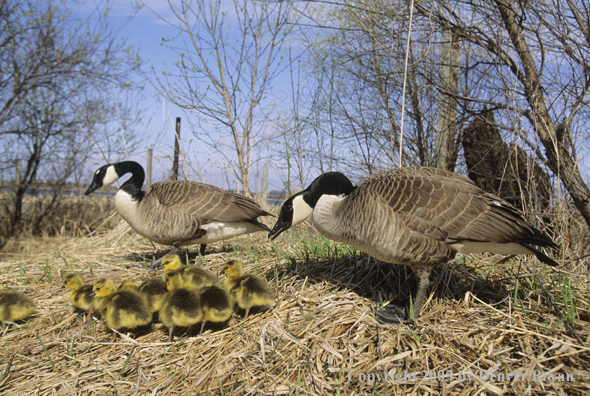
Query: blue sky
[(144, 29)]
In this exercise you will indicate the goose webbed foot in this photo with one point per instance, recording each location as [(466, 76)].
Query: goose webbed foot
[(394, 314)]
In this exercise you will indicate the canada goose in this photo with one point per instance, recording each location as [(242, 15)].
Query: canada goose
[(154, 290), (121, 310), (216, 304), (80, 294), (181, 307), (416, 216), (192, 276), (15, 306), (247, 290), (179, 213)]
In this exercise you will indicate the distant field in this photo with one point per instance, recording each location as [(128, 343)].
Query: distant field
[(487, 327), (73, 215)]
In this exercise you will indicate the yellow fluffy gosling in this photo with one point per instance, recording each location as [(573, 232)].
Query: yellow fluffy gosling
[(248, 290), (192, 276), (15, 306), (129, 286), (181, 307), (155, 291), (217, 305), (121, 310), (80, 294)]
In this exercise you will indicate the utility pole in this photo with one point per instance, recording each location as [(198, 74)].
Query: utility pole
[(264, 192), (18, 172)]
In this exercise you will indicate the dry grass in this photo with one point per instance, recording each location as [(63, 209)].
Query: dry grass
[(69, 216), (480, 319)]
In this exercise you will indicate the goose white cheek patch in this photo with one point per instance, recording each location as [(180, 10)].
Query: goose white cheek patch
[(110, 176), (301, 210)]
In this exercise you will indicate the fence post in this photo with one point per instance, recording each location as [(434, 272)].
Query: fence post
[(176, 150), (148, 175), (264, 193), (17, 174)]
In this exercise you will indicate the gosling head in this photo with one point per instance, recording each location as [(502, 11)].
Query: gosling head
[(129, 286), (73, 282), (173, 280), (233, 268), (171, 262), (103, 288)]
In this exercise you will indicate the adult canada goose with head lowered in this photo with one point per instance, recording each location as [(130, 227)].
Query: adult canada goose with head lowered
[(416, 216), (179, 213)]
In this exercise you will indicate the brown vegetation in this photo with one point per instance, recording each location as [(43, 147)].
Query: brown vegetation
[(320, 332), (69, 216), (506, 171)]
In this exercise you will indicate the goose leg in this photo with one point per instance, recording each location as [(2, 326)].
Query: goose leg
[(395, 314), (170, 331), (420, 296), (202, 250), (89, 313)]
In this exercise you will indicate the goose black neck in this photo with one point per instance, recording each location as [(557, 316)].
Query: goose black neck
[(330, 183), (133, 185)]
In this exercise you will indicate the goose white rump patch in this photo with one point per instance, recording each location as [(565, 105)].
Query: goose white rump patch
[(220, 230), (491, 247)]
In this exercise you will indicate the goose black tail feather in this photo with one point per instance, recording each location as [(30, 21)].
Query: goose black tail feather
[(259, 224), (541, 239), (541, 256)]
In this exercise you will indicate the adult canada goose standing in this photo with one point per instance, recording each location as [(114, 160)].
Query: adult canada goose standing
[(416, 216), (179, 213)]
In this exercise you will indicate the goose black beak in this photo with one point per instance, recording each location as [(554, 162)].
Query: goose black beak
[(278, 229), (93, 187), (92, 294), (156, 265)]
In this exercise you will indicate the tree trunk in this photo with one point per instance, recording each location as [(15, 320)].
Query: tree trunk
[(446, 122), (558, 157)]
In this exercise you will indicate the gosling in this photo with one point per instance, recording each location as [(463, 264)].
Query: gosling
[(247, 290), (121, 310), (15, 306), (181, 307), (80, 294), (193, 276)]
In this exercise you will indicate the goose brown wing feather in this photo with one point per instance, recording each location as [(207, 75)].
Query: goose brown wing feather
[(447, 206), (187, 206), (388, 235), (208, 202)]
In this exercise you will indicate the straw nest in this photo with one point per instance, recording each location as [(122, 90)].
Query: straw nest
[(485, 330)]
